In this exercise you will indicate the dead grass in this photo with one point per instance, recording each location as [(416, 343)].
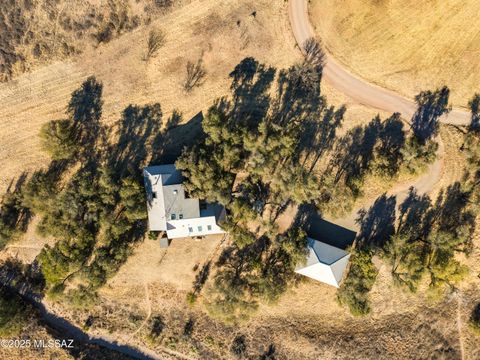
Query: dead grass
[(174, 266), (405, 45), (33, 99), (307, 321), (35, 332)]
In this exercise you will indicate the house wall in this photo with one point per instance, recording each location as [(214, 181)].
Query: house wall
[(180, 228)]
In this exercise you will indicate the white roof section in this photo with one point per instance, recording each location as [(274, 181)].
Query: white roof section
[(324, 263), (170, 208)]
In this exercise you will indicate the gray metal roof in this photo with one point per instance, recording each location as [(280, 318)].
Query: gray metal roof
[(166, 197), (177, 205)]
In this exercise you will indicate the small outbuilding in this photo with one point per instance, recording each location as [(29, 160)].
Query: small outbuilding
[(325, 263)]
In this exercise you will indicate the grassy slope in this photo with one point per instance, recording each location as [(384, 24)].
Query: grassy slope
[(306, 314), (405, 45), (201, 26)]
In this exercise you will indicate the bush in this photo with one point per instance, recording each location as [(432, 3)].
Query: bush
[(355, 288), (195, 75), (191, 298), (156, 327), (475, 319), (153, 235), (239, 346), (82, 298), (156, 39)]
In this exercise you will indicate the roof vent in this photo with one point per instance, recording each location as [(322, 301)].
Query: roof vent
[(175, 192)]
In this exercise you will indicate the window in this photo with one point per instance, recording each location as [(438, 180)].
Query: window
[(180, 216), (173, 217), (190, 229), (209, 227), (199, 228)]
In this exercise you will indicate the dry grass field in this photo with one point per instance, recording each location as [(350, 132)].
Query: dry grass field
[(153, 283), (223, 32), (405, 45)]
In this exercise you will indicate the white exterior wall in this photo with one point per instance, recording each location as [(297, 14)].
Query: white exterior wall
[(328, 274), (180, 228), (324, 263)]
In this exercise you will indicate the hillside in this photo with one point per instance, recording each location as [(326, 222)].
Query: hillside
[(192, 31), (406, 46), (265, 136)]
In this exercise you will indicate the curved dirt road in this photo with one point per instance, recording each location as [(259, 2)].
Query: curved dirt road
[(357, 89), (374, 96)]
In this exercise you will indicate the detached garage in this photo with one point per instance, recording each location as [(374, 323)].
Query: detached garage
[(325, 263)]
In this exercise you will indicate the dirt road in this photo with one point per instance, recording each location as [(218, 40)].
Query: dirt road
[(354, 87), (424, 185)]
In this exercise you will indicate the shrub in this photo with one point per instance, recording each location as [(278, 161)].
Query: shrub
[(156, 39), (239, 346), (191, 298), (355, 288), (195, 75), (156, 327), (475, 319)]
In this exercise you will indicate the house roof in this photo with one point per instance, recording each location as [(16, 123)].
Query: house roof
[(324, 263), (170, 208), (166, 196)]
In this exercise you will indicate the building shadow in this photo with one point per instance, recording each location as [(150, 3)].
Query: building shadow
[(325, 231)]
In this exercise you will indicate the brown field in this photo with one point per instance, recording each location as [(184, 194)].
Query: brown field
[(35, 98), (405, 45), (307, 321)]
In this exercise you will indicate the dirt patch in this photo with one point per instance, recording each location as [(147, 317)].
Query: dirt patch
[(175, 265)]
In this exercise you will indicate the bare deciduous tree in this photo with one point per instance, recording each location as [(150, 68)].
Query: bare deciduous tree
[(314, 54), (195, 75), (156, 39)]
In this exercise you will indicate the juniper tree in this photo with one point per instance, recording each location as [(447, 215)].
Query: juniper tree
[(58, 139)]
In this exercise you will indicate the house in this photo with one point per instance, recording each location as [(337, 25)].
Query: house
[(324, 262), (172, 210)]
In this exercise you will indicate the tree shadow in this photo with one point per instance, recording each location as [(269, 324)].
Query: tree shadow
[(201, 278), (174, 120), (85, 109), (167, 147), (354, 153), (188, 328), (414, 214), (297, 99), (474, 105), (377, 224), (430, 106), (136, 132), (391, 139), (251, 82), (319, 135), (452, 215)]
